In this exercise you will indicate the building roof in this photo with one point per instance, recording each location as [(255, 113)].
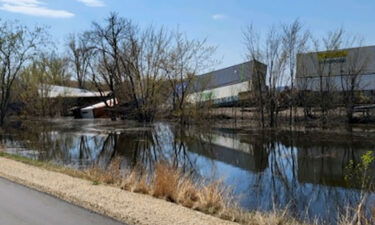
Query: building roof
[(54, 91), (224, 77)]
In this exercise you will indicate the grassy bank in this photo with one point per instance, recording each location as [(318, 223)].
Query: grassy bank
[(171, 184)]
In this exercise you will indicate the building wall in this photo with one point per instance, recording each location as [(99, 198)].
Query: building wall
[(336, 69), (336, 83), (223, 86), (227, 93)]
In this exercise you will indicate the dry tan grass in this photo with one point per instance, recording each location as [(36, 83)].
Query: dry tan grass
[(166, 182), (214, 198), (356, 216), (173, 185), (136, 182), (169, 183), (110, 175), (188, 195)]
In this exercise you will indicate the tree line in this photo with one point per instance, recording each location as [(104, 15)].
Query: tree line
[(151, 68), (280, 47), (154, 69)]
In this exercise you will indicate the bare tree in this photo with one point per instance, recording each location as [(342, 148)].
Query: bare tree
[(329, 63), (143, 66), (139, 65), (18, 45), (55, 68), (295, 40), (270, 52), (254, 53), (305, 95), (356, 64), (185, 60), (109, 41), (79, 56), (130, 63), (275, 58)]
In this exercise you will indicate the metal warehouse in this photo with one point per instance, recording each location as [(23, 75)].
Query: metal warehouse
[(339, 70), (224, 86)]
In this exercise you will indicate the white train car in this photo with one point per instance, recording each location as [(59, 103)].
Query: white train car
[(97, 110)]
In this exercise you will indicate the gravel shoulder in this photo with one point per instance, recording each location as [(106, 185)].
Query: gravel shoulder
[(128, 207)]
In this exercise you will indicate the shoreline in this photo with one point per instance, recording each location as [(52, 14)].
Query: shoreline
[(243, 125), (124, 206), (129, 207), (176, 195)]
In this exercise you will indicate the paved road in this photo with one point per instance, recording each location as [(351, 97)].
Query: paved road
[(20, 205)]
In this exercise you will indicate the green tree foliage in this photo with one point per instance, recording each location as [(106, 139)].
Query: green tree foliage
[(34, 85), (358, 173)]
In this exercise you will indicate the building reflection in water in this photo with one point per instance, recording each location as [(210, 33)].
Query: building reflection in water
[(302, 171)]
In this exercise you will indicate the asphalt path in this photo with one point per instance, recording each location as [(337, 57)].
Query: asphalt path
[(20, 205)]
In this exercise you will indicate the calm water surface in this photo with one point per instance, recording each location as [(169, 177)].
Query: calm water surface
[(304, 171)]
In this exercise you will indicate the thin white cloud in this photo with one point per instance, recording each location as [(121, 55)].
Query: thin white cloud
[(93, 3), (33, 8), (219, 17), (22, 2)]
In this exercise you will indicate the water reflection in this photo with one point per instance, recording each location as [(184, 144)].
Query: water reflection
[(226, 146), (303, 171)]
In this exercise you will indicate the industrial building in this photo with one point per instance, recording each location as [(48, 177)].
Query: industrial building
[(338, 70), (224, 86), (81, 103), (55, 91)]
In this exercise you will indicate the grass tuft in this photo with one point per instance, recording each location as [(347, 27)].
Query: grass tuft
[(166, 182), (170, 183)]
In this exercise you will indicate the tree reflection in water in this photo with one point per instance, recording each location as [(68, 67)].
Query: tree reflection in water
[(302, 171)]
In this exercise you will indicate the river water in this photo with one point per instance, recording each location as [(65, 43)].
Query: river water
[(307, 172)]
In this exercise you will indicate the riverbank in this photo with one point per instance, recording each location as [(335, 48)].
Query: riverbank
[(220, 120), (90, 148), (98, 191), (248, 119), (80, 189), (122, 205)]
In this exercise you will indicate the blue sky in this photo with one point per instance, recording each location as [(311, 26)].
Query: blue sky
[(220, 21)]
